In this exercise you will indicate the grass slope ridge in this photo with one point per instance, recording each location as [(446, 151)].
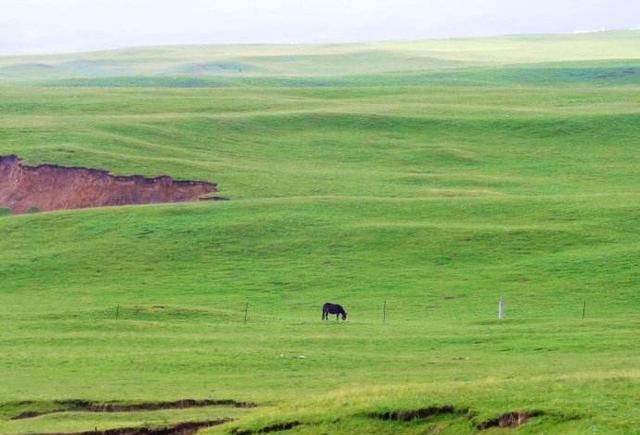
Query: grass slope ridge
[(438, 199)]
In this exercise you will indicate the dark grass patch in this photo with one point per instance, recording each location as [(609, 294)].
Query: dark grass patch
[(278, 427), (418, 414), (185, 428), (510, 419), (88, 406)]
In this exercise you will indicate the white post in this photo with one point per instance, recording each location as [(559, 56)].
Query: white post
[(501, 309)]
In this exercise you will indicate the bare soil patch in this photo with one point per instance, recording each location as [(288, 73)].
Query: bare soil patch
[(186, 428), (278, 427), (50, 187), (506, 420), (88, 406), (510, 419), (417, 414)]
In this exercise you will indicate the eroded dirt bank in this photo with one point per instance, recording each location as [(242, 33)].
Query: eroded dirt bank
[(89, 406), (52, 187), (186, 428)]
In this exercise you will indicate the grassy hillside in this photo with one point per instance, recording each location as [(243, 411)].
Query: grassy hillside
[(431, 177)]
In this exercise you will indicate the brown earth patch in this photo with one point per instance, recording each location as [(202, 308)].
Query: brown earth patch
[(417, 414), (510, 419), (88, 406), (52, 187), (186, 428), (278, 427)]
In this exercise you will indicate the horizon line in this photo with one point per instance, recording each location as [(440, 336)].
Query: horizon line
[(309, 44)]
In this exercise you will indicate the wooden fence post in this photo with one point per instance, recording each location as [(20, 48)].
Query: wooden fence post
[(384, 312)]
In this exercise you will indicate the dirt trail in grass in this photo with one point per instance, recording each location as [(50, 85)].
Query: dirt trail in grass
[(51, 187), (87, 406)]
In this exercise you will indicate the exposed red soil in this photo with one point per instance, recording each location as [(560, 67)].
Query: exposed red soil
[(87, 406), (51, 187), (187, 428)]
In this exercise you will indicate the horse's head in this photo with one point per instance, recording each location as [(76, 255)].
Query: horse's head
[(344, 315)]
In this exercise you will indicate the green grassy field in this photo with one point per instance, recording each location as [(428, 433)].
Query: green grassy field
[(437, 176)]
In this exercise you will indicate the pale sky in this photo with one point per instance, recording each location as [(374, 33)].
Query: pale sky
[(46, 26)]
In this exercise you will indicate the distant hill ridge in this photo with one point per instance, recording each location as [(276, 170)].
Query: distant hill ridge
[(326, 60)]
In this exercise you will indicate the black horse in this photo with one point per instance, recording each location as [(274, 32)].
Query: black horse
[(333, 309)]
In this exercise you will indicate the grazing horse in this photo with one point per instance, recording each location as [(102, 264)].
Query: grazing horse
[(333, 309)]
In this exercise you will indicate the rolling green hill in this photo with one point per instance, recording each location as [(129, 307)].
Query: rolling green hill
[(429, 177)]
